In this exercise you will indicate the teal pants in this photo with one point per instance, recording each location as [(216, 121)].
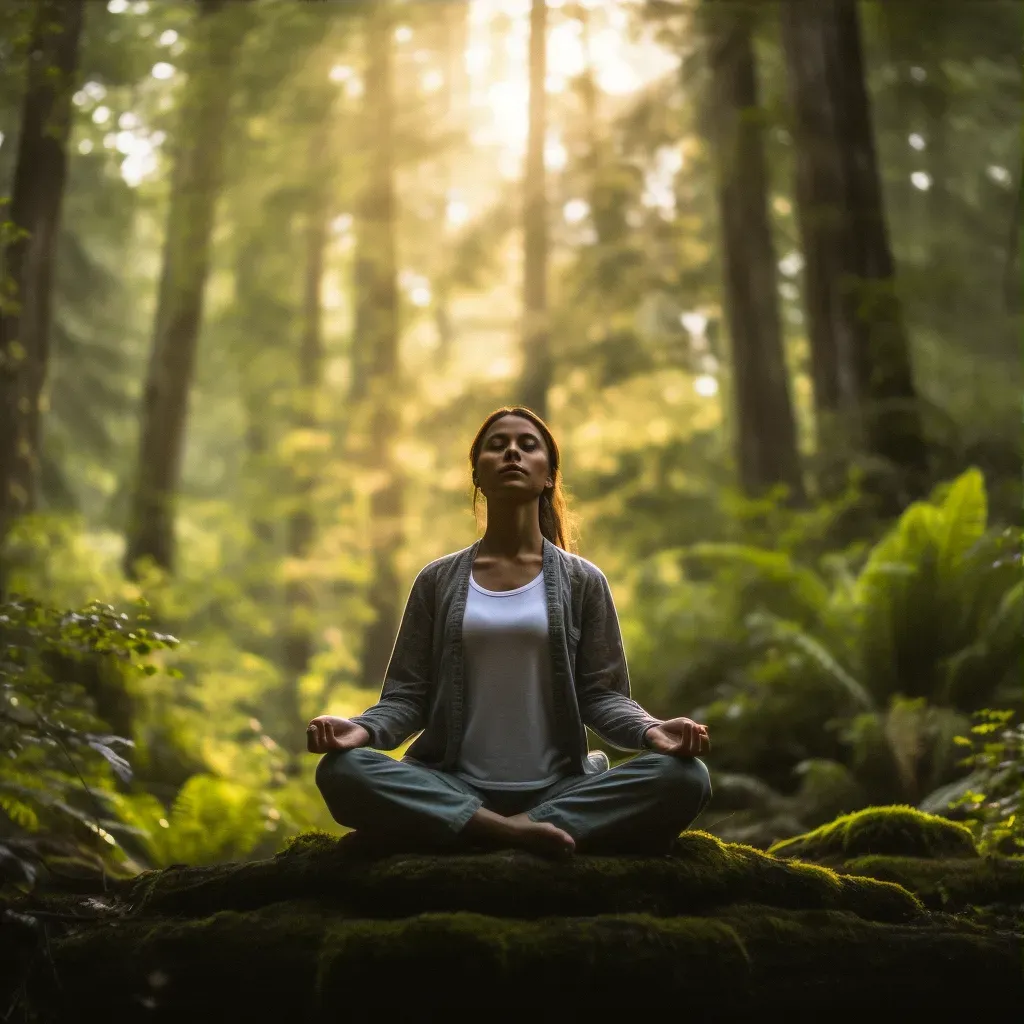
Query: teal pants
[(639, 806)]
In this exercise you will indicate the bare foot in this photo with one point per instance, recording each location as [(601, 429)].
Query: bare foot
[(521, 832), (540, 837)]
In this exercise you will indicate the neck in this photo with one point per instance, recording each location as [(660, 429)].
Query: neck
[(512, 530)]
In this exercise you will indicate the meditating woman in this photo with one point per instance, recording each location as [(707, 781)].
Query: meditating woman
[(506, 650)]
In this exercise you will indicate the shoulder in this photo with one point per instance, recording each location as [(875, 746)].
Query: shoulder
[(442, 570), (581, 569)]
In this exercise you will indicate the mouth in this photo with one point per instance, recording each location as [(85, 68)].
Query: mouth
[(512, 469)]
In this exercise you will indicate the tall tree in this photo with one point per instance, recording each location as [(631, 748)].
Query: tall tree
[(300, 602), (455, 29), (375, 342), (536, 375), (195, 185), (860, 352), (765, 431), (29, 247), (1012, 283)]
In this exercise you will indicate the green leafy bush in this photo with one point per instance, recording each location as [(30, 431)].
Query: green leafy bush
[(62, 759), (996, 806), (872, 660)]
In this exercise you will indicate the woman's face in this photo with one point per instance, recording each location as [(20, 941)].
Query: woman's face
[(513, 460)]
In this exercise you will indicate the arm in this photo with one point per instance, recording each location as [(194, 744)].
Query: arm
[(404, 699), (602, 680)]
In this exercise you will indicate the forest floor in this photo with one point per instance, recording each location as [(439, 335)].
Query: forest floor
[(884, 911)]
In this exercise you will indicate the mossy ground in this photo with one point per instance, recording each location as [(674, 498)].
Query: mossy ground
[(898, 831), (719, 930)]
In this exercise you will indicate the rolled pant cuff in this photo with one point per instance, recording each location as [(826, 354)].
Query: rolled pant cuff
[(458, 823)]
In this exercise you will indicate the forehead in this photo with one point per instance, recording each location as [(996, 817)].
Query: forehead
[(512, 425)]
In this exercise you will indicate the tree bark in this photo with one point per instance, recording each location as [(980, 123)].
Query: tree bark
[(376, 340), (860, 352), (455, 26), (536, 375), (29, 247), (1013, 284), (196, 183), (766, 446), (300, 597)]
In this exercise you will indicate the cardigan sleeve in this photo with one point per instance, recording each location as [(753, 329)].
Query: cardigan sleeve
[(405, 695), (602, 679)]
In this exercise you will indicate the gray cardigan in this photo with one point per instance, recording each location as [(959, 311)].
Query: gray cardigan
[(424, 685)]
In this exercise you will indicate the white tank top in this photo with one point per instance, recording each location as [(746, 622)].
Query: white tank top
[(508, 741)]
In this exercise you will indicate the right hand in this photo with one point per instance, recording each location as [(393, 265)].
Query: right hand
[(327, 732)]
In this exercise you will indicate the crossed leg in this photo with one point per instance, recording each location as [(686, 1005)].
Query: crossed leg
[(637, 807)]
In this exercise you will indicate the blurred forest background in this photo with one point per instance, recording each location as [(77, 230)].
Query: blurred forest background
[(267, 265)]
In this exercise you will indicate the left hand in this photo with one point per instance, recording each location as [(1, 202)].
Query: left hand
[(679, 737)]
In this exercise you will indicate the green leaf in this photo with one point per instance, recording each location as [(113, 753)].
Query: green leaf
[(964, 517)]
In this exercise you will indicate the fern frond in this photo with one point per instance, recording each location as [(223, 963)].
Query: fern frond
[(790, 634), (775, 567), (21, 813), (964, 518)]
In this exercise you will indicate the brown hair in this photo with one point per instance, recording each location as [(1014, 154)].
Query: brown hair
[(557, 522)]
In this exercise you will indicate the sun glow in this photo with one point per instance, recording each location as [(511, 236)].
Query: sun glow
[(497, 66)]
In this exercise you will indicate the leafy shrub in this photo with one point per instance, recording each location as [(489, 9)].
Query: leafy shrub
[(874, 660), (61, 757), (996, 807)]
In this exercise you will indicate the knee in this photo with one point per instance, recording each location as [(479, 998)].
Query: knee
[(685, 778), (340, 768)]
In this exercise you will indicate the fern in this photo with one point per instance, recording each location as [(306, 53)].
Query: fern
[(964, 516), (20, 812), (789, 634)]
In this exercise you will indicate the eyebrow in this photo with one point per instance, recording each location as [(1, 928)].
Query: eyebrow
[(503, 434)]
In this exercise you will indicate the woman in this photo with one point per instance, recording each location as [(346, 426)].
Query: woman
[(506, 650)]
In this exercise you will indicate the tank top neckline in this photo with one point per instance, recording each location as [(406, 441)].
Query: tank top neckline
[(505, 593)]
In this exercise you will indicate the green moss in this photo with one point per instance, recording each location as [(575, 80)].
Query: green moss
[(315, 840), (953, 884), (295, 961), (896, 831), (704, 873), (183, 969)]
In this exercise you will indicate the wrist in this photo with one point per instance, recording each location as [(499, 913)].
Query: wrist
[(646, 736)]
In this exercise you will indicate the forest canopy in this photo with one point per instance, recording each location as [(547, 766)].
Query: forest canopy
[(267, 265)]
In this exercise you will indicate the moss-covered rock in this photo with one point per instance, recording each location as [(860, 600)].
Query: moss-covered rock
[(703, 873), (296, 961), (950, 884), (899, 831), (717, 930)]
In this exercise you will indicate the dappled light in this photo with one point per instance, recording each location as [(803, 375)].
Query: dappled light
[(748, 276)]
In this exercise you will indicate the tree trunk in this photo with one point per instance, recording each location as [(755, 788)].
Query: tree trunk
[(300, 597), (254, 322), (29, 247), (860, 352), (536, 374), (195, 186), (376, 341), (1012, 284), (455, 23), (766, 446)]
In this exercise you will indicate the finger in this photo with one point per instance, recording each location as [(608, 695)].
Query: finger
[(311, 738), (689, 736), (321, 737)]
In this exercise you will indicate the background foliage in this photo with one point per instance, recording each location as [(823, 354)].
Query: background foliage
[(837, 647)]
